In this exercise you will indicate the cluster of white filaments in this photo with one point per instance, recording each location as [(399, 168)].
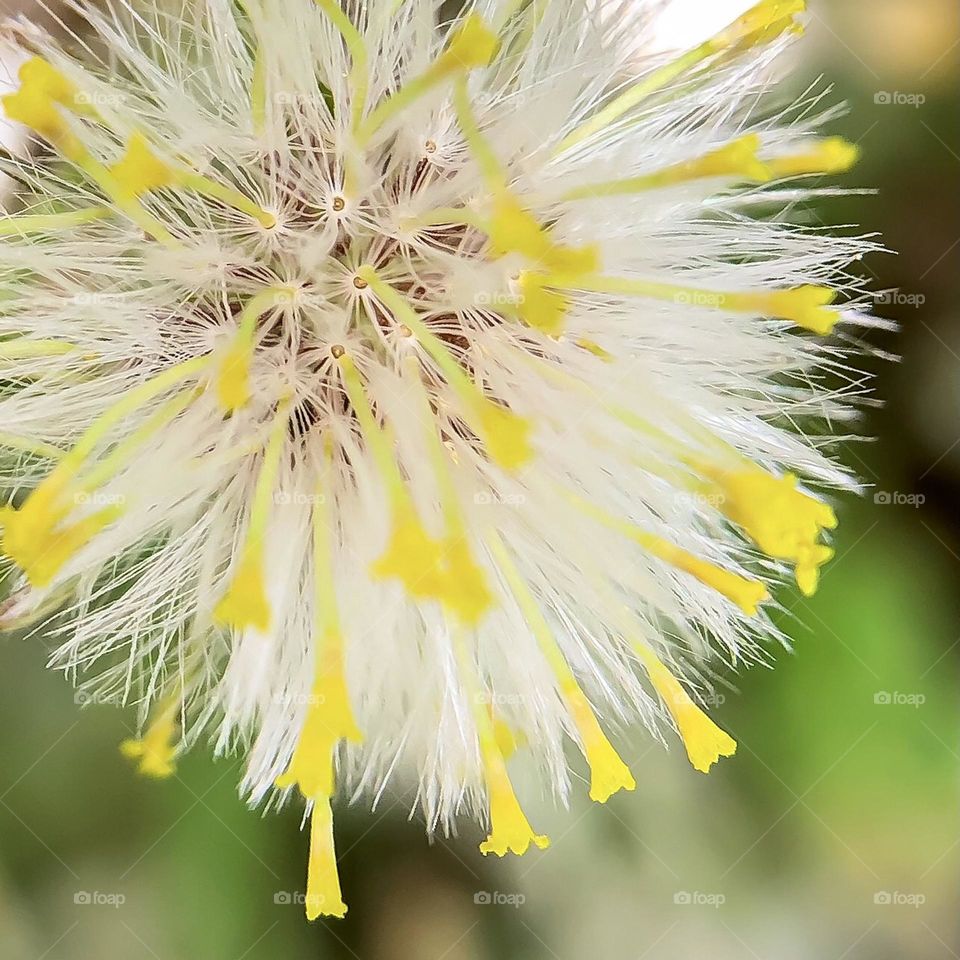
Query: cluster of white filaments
[(382, 393)]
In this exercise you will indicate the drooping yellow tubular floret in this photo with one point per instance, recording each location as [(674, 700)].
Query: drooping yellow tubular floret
[(505, 434), (233, 376), (156, 750), (513, 229), (36, 535), (323, 897), (784, 522), (806, 306), (608, 773), (311, 770), (510, 831), (245, 602), (330, 718), (36, 539), (465, 592), (35, 104), (833, 155), (140, 170), (471, 45), (736, 159), (539, 307), (704, 741), (747, 594), (763, 22), (43, 552), (412, 555), (43, 89)]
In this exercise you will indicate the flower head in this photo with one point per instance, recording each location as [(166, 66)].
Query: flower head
[(383, 393)]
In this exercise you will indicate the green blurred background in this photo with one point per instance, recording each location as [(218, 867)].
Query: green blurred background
[(833, 834)]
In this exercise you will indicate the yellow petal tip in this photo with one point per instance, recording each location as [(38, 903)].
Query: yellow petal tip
[(500, 845), (316, 907), (245, 603), (473, 44), (604, 787), (708, 750), (506, 436)]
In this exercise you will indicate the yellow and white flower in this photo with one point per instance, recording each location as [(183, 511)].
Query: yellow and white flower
[(381, 392)]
